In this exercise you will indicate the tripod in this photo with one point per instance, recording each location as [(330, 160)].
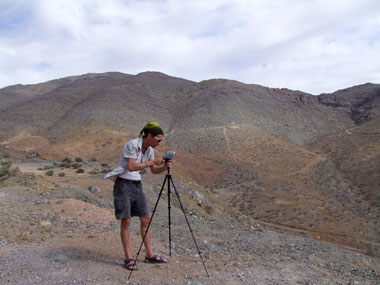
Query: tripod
[(169, 180)]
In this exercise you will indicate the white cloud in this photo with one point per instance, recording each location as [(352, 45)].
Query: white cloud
[(314, 46)]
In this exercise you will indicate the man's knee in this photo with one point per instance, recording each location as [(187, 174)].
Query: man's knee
[(124, 224), (145, 221)]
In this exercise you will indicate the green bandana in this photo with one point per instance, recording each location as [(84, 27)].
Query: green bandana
[(152, 128)]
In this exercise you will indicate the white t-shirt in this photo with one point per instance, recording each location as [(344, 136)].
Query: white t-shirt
[(132, 149)]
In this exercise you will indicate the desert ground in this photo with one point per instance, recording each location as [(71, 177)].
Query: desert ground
[(61, 229)]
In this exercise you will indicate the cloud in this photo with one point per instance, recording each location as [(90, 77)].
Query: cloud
[(313, 46)]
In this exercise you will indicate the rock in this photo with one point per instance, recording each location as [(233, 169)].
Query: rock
[(192, 282), (200, 197), (61, 258), (94, 189)]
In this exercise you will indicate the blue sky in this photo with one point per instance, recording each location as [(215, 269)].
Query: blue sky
[(317, 46)]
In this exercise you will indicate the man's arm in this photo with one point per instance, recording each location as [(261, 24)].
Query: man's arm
[(159, 169), (153, 164)]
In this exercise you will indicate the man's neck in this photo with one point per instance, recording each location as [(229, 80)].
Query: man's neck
[(144, 146)]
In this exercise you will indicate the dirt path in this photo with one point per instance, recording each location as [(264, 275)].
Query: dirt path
[(228, 144), (316, 159), (349, 131)]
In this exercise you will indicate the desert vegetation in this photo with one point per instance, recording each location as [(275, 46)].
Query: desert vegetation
[(6, 169)]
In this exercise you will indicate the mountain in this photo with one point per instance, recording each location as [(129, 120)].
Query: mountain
[(299, 163)]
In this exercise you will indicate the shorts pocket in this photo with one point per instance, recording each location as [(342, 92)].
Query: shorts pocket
[(118, 205)]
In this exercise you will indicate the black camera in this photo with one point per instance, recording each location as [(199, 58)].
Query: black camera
[(169, 155)]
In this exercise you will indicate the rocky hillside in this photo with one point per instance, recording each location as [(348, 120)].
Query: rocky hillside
[(302, 164)]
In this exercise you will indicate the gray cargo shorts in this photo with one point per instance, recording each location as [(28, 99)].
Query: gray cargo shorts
[(129, 199)]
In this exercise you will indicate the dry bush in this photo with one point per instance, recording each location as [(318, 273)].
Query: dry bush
[(6, 169), (93, 171), (76, 165), (67, 159)]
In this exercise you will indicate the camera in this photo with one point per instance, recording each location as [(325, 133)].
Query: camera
[(169, 155)]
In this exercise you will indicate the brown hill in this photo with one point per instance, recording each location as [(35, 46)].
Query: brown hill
[(286, 158)]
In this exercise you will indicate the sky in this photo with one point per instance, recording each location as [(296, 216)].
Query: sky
[(316, 46)]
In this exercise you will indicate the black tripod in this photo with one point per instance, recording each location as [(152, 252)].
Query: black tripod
[(169, 179)]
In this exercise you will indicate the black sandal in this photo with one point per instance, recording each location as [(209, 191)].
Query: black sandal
[(130, 266), (154, 259)]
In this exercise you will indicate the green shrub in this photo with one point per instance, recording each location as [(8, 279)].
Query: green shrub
[(49, 173), (78, 159), (61, 174), (80, 170)]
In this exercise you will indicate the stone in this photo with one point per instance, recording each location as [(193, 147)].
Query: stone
[(94, 189)]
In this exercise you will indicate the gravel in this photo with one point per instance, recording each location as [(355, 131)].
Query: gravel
[(82, 246)]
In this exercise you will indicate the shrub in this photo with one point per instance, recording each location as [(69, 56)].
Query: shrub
[(4, 173), (78, 159), (93, 171), (76, 165), (61, 174), (14, 171), (5, 169), (49, 173), (66, 164), (80, 170), (67, 159), (49, 166)]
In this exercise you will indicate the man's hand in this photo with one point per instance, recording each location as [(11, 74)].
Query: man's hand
[(158, 161), (156, 165)]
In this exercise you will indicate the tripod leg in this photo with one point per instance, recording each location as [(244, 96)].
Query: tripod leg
[(151, 219), (188, 224), (170, 223)]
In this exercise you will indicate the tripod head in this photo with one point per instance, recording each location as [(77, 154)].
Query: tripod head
[(169, 156)]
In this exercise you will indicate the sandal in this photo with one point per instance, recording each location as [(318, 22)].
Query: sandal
[(154, 259), (130, 265)]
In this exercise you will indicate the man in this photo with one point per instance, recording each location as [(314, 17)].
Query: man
[(129, 199)]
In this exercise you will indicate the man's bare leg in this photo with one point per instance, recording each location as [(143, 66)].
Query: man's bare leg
[(124, 234), (148, 247)]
